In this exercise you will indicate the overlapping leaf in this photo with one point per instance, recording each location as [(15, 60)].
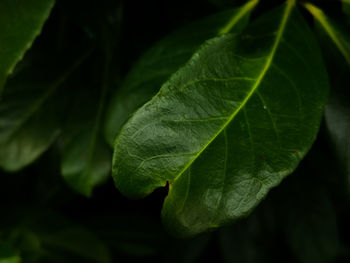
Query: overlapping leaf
[(229, 125), (20, 22), (163, 59)]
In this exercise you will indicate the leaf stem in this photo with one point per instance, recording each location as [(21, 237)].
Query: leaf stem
[(319, 15), (244, 9)]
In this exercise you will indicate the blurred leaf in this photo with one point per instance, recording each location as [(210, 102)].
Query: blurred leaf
[(219, 131), (346, 9), (336, 48), (46, 236), (339, 37), (165, 58), (20, 22), (29, 115), (8, 254), (310, 222), (85, 154)]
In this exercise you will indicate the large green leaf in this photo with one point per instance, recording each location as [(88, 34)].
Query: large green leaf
[(29, 115), (20, 22), (229, 125), (163, 59), (336, 47)]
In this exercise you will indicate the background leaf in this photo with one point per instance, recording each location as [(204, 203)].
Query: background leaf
[(56, 239), (30, 115), (220, 130), (85, 155), (21, 21), (336, 49), (8, 254)]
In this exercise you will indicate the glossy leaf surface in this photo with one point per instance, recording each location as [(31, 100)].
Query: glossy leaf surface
[(228, 126), (20, 22), (163, 59)]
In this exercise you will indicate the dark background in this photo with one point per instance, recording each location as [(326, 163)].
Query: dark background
[(305, 219)]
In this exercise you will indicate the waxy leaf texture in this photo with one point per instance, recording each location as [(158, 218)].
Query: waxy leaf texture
[(229, 125)]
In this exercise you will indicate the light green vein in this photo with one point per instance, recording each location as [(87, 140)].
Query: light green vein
[(328, 27), (244, 10), (196, 81), (288, 9), (266, 108)]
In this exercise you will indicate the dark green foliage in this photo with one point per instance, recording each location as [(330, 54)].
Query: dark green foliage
[(206, 109)]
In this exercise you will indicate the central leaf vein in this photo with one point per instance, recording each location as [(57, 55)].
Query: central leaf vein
[(259, 80)]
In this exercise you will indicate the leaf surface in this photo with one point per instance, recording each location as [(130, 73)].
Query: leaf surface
[(20, 22), (165, 58), (229, 125)]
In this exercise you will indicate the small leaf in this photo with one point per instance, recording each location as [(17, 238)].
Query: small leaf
[(20, 22), (228, 126), (85, 155), (163, 59)]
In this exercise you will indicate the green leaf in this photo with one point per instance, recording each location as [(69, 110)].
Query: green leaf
[(20, 22), (228, 126), (8, 254), (339, 38), (85, 154), (336, 47), (165, 58), (30, 113)]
